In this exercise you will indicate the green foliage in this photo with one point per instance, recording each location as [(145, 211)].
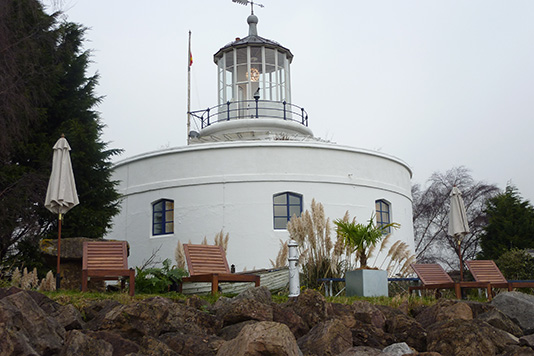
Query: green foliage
[(516, 265), (510, 224), (360, 238), (158, 280), (45, 57)]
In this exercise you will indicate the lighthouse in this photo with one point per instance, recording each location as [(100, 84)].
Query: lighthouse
[(253, 163)]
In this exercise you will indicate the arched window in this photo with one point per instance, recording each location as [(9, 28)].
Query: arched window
[(163, 217), (383, 213), (285, 205)]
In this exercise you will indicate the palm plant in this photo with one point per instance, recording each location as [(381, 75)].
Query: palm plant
[(361, 238)]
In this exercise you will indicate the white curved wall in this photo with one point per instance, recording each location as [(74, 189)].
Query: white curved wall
[(230, 186)]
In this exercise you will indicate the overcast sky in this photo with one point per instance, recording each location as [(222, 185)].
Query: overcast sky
[(438, 84)]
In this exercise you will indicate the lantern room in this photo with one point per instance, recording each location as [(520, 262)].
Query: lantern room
[(253, 67), (254, 93)]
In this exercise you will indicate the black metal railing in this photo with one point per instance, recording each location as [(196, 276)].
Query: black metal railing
[(251, 109)]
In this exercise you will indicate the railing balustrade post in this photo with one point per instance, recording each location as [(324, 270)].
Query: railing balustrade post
[(256, 98), (228, 110), (302, 115), (208, 111), (284, 110)]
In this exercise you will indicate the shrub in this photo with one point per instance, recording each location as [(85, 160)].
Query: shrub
[(158, 280), (516, 264)]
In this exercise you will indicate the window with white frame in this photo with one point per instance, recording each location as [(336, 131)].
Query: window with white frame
[(163, 217), (285, 205)]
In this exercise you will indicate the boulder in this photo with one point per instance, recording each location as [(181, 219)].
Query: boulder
[(262, 338), (516, 350), (288, 316), (398, 349), (497, 319), (368, 313), (368, 335), (517, 306), (69, 317), (311, 306), (236, 311), (77, 343), (404, 328), (26, 327), (154, 347), (527, 340), (121, 346), (444, 310), (191, 345), (155, 316), (231, 331), (260, 294), (362, 351), (330, 337), (467, 338)]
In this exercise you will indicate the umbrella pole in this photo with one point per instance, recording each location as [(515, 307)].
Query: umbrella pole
[(461, 262), (58, 275)]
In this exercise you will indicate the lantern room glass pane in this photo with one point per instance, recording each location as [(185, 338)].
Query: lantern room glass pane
[(241, 56), (255, 55)]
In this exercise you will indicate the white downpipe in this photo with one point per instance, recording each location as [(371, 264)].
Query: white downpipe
[(294, 282)]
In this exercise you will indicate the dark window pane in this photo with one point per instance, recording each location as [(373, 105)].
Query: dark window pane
[(169, 228), (280, 223), (158, 206), (294, 210), (280, 199), (158, 217), (294, 199), (280, 211)]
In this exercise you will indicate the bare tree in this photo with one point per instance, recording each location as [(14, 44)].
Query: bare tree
[(431, 207)]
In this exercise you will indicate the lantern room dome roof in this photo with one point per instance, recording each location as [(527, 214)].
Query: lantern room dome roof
[(252, 39)]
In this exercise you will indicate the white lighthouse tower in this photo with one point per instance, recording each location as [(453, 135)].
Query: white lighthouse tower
[(253, 164)]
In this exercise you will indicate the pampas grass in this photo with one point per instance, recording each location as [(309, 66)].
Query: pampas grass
[(281, 259)]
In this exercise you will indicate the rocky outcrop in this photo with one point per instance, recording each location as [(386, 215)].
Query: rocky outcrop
[(251, 324), (519, 307)]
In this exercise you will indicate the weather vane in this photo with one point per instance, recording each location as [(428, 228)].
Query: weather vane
[(246, 2)]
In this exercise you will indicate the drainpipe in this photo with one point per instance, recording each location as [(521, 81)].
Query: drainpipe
[(294, 283)]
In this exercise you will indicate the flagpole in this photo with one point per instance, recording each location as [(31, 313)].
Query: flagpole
[(189, 62)]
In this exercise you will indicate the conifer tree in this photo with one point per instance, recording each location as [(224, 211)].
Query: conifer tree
[(47, 92), (510, 225)]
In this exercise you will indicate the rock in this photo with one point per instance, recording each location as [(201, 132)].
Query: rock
[(398, 349), (467, 338), (479, 308), (77, 343), (444, 310), (362, 351), (367, 335), (26, 327), (195, 302), (231, 331), (515, 350), (311, 306), (519, 307), (154, 316), (262, 338), (154, 347), (527, 340), (69, 317), (369, 313), (497, 319), (236, 311), (191, 345), (288, 316), (330, 337), (260, 294), (404, 328), (121, 346)]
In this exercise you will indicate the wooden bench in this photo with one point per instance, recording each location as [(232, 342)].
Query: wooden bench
[(433, 276), (106, 260), (487, 271), (208, 264)]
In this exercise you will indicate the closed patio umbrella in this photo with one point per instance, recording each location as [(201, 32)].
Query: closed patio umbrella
[(458, 225), (61, 195)]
